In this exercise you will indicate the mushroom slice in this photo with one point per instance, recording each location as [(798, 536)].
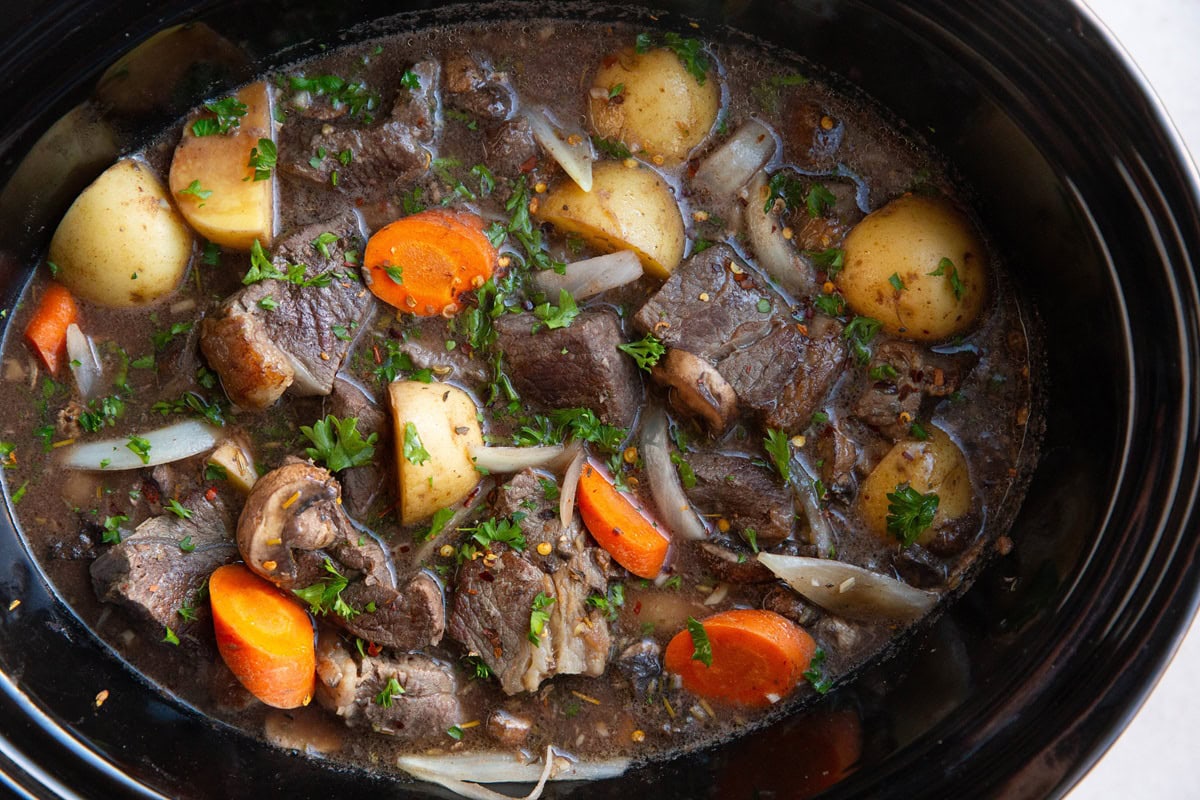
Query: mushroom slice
[(698, 389), (295, 507)]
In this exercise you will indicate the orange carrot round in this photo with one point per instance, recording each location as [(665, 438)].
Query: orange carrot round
[(619, 526), (264, 637), (758, 657), (46, 332), (423, 263)]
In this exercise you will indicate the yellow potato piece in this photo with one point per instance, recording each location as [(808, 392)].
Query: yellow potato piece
[(906, 241), (658, 107), (122, 243), (935, 465), (628, 208), (240, 209), (441, 419)]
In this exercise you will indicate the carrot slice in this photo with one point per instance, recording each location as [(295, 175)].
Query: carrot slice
[(46, 332), (619, 526), (423, 263), (758, 657), (264, 637)]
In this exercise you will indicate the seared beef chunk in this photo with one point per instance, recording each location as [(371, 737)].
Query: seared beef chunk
[(830, 228), (837, 455), (510, 148), (362, 486), (150, 571), (424, 342), (473, 88), (785, 376), (904, 374), (363, 691), (293, 530), (275, 334), (381, 157), (709, 307), (577, 366), (749, 496), (492, 604), (727, 562), (787, 603), (495, 595)]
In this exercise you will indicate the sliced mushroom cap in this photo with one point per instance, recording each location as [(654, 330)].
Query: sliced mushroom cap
[(698, 389), (295, 507)]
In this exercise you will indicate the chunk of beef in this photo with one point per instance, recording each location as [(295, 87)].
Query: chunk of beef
[(424, 343), (357, 691), (510, 149), (908, 375), (749, 496), (293, 529), (785, 376), (787, 603), (150, 572), (507, 728), (577, 366), (727, 562), (299, 338), (382, 156), (524, 498), (837, 455), (492, 604), (708, 308), (362, 486), (829, 228), (474, 88)]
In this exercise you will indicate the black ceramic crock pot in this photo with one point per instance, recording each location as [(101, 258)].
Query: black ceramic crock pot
[(1013, 693)]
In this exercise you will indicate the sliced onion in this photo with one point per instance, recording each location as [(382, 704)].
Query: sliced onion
[(673, 507), (566, 496), (822, 531), (728, 167), (504, 460), (582, 279), (575, 159), (85, 362), (454, 770), (850, 591), (172, 443), (774, 253)]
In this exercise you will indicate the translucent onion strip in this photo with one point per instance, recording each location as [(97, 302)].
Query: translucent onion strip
[(571, 149), (162, 446), (673, 507), (85, 362), (728, 167), (774, 253), (582, 279), (505, 460), (463, 772), (850, 591), (566, 497)]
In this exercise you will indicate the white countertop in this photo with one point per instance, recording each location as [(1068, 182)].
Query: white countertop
[(1156, 755)]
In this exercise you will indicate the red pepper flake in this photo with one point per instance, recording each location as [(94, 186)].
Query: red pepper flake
[(211, 494), (529, 164), (373, 649), (378, 357), (637, 607)]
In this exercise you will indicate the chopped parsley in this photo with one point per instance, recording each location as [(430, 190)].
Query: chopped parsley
[(455, 733), (818, 200), (163, 338), (186, 544), (390, 690), (354, 96), (19, 494), (112, 528), (815, 674), (101, 411), (322, 242), (946, 267), (196, 190), (689, 51), (177, 508), (215, 472), (645, 351), (783, 186), (751, 537), (611, 602), (832, 304), (780, 450), (687, 476), (268, 303), (897, 282), (831, 260), (538, 617), (613, 148), (171, 638), (883, 372), (190, 402), (437, 524), (560, 316), (262, 269), (396, 274), (414, 450), (410, 80), (505, 531), (858, 334), (326, 594), (701, 647), (140, 447), (478, 667), (8, 455), (263, 157), (228, 115), (338, 443), (918, 432), (910, 513)]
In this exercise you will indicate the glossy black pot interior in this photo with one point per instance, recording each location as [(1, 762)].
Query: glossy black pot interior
[(1029, 677)]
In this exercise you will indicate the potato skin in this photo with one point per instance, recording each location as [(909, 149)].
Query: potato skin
[(444, 418), (629, 208), (908, 238), (934, 465), (122, 243), (662, 109)]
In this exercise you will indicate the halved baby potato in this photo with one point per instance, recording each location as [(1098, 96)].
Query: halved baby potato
[(122, 243), (628, 208), (435, 429), (213, 182)]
